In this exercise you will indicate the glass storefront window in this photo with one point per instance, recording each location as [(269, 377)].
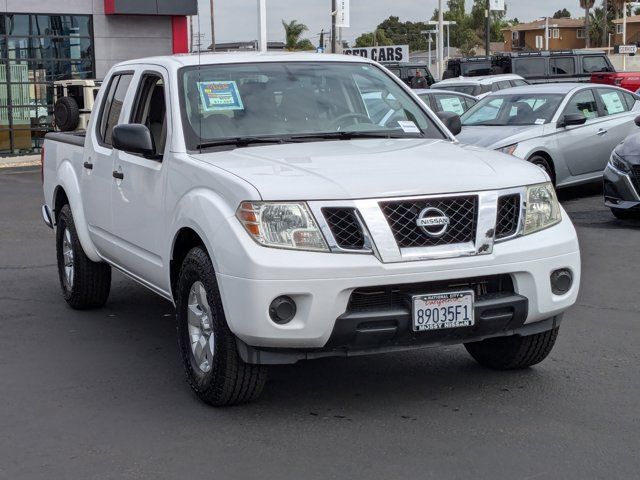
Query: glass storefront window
[(35, 51)]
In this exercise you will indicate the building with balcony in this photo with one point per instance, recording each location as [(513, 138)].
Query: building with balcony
[(564, 34)]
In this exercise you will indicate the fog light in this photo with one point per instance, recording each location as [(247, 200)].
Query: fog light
[(561, 281), (282, 309)]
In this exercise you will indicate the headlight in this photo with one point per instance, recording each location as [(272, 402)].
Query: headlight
[(509, 149), (617, 163), (282, 225), (542, 208)]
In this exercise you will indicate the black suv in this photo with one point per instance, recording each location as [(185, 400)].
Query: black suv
[(539, 67), (468, 67), (406, 71)]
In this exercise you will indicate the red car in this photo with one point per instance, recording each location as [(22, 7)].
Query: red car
[(627, 80)]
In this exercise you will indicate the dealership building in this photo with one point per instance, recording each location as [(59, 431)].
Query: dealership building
[(42, 41)]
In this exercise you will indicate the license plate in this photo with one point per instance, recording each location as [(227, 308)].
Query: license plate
[(443, 310)]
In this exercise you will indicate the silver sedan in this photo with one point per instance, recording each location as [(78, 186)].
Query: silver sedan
[(567, 129)]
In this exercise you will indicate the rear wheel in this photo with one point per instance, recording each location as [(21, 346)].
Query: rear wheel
[(544, 164), (514, 352), (85, 284), (210, 357)]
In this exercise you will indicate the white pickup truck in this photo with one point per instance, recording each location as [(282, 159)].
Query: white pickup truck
[(296, 206)]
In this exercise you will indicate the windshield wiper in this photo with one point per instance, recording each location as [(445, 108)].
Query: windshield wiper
[(347, 136), (241, 142)]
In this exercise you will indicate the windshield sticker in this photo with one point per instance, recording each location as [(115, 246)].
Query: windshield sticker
[(612, 102), (408, 126), (452, 104), (540, 121), (216, 96)]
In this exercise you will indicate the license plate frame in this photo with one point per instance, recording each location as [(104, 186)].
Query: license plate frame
[(435, 303)]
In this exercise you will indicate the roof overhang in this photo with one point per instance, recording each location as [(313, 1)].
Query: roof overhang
[(151, 7)]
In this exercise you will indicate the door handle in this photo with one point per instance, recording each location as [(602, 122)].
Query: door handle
[(118, 175), (602, 131), (88, 165)]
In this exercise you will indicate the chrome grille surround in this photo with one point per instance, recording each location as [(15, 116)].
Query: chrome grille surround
[(380, 240)]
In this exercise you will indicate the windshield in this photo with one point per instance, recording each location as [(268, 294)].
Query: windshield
[(474, 69), (296, 100), (501, 110), (469, 89)]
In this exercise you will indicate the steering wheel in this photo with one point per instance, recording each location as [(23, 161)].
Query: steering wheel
[(337, 123)]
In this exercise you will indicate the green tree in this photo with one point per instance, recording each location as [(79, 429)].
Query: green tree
[(372, 39), (292, 33), (564, 13), (305, 45)]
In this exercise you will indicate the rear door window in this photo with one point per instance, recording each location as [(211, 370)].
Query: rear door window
[(112, 106), (595, 63), (503, 84), (450, 103), (562, 66), (583, 103), (519, 83), (630, 99), (529, 67), (613, 101)]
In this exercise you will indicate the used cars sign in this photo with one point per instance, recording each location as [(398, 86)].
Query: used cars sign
[(390, 53)]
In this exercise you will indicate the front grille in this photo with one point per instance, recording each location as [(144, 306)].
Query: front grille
[(345, 227), (402, 216), (636, 177), (390, 297), (508, 216)]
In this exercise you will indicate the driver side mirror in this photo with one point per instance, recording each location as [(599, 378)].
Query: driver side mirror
[(451, 121), (571, 120), (637, 120), (134, 138)]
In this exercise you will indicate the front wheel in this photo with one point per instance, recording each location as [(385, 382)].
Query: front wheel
[(210, 357), (85, 284), (513, 352), (545, 165)]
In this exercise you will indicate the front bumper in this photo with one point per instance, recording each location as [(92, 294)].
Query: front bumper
[(321, 284), (620, 189)]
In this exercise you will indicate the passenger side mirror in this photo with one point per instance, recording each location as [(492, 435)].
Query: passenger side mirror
[(571, 119), (451, 121), (134, 138), (637, 120)]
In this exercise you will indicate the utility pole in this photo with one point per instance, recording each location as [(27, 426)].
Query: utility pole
[(334, 12), (440, 40), (213, 29), (605, 7), (262, 25), (487, 34)]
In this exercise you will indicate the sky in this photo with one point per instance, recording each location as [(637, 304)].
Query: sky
[(236, 20)]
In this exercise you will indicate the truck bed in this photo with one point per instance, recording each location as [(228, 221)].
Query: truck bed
[(72, 138)]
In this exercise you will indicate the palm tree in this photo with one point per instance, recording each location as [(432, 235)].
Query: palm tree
[(587, 5), (292, 32)]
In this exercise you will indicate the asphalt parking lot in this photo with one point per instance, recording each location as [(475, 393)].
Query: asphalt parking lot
[(101, 394)]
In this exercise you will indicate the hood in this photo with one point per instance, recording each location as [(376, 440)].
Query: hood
[(371, 169), (498, 137)]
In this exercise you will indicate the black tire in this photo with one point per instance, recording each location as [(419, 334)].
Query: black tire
[(513, 352), (229, 380), (67, 114), (621, 214), (544, 164), (91, 281)]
